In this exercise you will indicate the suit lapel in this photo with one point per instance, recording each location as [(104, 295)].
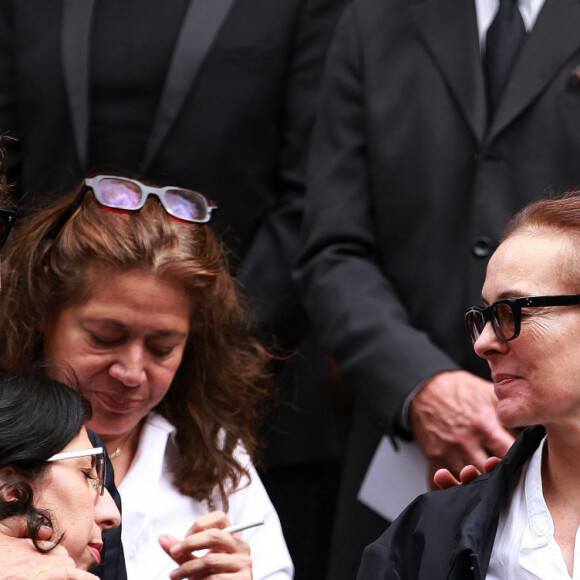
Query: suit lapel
[(448, 28), (554, 38), (200, 27), (75, 38)]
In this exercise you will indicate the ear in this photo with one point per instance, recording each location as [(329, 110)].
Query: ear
[(8, 479)]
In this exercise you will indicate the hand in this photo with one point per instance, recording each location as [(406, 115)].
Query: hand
[(228, 556), (444, 479), (454, 422), (20, 560)]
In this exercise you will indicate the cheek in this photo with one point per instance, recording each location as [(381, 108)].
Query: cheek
[(162, 382)]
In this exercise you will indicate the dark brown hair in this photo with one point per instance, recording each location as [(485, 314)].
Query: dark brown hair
[(32, 405), (218, 394)]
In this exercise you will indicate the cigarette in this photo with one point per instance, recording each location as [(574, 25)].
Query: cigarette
[(241, 527), (230, 530)]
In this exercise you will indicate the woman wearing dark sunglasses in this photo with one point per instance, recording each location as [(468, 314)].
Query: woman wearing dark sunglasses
[(125, 283), (522, 520), (52, 476)]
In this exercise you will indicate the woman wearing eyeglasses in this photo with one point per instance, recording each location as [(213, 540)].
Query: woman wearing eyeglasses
[(49, 471), (521, 521), (126, 284)]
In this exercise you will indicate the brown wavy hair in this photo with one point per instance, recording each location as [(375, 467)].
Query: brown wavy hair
[(221, 389)]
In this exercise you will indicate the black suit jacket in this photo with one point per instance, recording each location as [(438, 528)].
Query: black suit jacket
[(232, 121), (409, 191)]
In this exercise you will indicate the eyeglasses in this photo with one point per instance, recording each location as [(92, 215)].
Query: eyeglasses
[(98, 464), (7, 219), (130, 195), (506, 315)]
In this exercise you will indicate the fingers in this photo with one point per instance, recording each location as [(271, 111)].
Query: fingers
[(60, 573), (207, 550), (215, 563), (491, 464), (215, 519), (15, 527), (444, 479), (453, 420)]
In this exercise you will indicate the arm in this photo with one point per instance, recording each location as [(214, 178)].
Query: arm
[(265, 273), (19, 559)]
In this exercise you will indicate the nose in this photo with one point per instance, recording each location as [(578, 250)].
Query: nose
[(107, 514), (488, 343), (129, 366)]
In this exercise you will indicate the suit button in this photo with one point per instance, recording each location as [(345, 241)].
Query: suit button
[(481, 247)]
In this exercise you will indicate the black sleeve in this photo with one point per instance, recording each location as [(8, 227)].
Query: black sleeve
[(265, 273), (112, 566)]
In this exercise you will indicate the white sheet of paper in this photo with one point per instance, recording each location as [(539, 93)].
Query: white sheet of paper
[(393, 478)]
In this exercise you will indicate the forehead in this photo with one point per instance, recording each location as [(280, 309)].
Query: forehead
[(531, 263)]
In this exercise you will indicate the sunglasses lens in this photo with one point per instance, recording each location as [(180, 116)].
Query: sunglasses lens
[(503, 321), (475, 323), (186, 205), (100, 467), (119, 194)]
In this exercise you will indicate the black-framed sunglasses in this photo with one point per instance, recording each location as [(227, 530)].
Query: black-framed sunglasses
[(7, 219), (98, 463), (122, 193), (506, 315)]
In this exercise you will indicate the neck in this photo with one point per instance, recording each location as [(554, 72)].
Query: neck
[(123, 448), (561, 468)]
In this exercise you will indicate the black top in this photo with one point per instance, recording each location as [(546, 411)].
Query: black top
[(112, 566)]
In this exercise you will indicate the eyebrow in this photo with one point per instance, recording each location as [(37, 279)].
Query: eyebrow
[(506, 294), (122, 326)]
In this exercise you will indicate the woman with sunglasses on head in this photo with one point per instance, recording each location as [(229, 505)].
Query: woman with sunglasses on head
[(521, 520), (134, 295), (49, 471)]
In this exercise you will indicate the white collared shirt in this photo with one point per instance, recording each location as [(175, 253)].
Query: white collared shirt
[(487, 9), (153, 506), (524, 546)]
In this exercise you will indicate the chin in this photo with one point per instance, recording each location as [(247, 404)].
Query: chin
[(512, 418)]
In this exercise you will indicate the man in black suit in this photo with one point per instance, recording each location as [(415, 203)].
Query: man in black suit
[(412, 180), (212, 95)]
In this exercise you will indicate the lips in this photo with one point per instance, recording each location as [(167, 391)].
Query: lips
[(95, 549), (117, 404), (503, 383)]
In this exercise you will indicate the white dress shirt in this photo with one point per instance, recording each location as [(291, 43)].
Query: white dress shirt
[(524, 546), (153, 506)]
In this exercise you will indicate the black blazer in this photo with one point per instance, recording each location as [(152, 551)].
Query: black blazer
[(232, 121), (410, 189)]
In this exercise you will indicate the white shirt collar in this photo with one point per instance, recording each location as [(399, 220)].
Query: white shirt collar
[(486, 10)]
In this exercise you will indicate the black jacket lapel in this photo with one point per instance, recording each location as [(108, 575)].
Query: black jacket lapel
[(448, 28), (75, 39), (200, 27), (554, 38)]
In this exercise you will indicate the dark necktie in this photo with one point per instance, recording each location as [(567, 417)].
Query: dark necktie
[(504, 39)]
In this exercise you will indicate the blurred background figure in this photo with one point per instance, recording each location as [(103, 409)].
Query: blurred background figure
[(425, 146), (139, 304), (217, 96)]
